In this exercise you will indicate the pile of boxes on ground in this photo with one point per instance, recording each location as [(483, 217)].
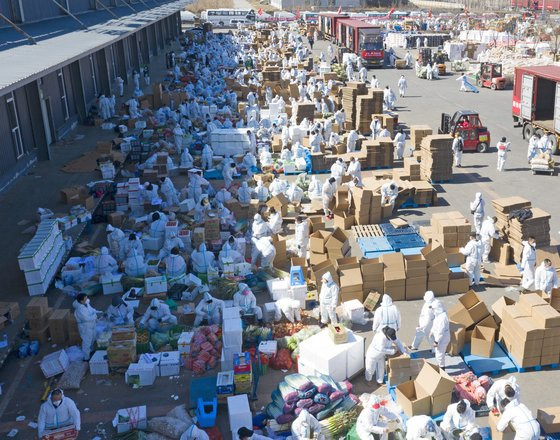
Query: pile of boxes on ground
[(59, 325)]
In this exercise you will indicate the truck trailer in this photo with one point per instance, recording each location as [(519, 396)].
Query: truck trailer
[(362, 38), (536, 102), (328, 24)]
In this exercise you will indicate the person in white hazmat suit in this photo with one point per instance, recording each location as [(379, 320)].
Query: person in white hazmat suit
[(521, 419), (223, 195), (328, 190), (425, 321), (474, 258), (382, 345), (487, 233), (261, 192), (337, 171), (389, 193), (372, 420), (115, 238), (194, 433), (291, 308), (276, 187), (202, 260), (439, 334), (386, 315), (457, 149), (245, 299), (389, 98), (328, 299), (363, 74), (58, 411), (187, 161), (157, 316), (528, 262), (349, 72), (274, 220), (477, 210), (244, 193), (104, 263), (178, 134), (351, 141), (157, 227), (295, 194), (207, 155), (175, 266), (169, 192), (422, 428), (503, 148), (533, 147), (119, 312), (171, 242), (502, 389), (228, 173), (399, 142), (375, 127), (403, 85), (301, 236), (260, 228), (355, 169), (134, 265), (264, 248), (209, 309), (459, 420), (305, 427), (546, 278), (314, 191), (86, 318)]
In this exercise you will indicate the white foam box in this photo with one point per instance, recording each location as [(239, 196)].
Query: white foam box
[(184, 342), (134, 303), (232, 332), (141, 374), (232, 313), (224, 382), (151, 358), (278, 288), (226, 359), (128, 419), (171, 227), (153, 285), (111, 284), (305, 369), (354, 310), (152, 243), (268, 347), (299, 293), (98, 364), (55, 363), (239, 413), (269, 312), (169, 363)]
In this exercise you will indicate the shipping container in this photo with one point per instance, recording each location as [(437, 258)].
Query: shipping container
[(327, 24), (363, 39)]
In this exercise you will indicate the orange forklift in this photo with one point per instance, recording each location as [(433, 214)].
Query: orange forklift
[(490, 76)]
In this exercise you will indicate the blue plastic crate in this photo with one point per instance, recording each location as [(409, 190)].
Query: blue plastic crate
[(371, 255), (412, 251), (407, 241), (388, 229), (497, 364), (374, 244)]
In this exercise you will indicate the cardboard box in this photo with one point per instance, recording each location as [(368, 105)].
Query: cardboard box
[(475, 306), (372, 300), (318, 270), (457, 342), (317, 241), (348, 263), (412, 400), (415, 287), (545, 317), (434, 254), (315, 258), (437, 385), (394, 262), (459, 314), (529, 300), (343, 220), (37, 307), (439, 287), (415, 266), (549, 418), (337, 241), (458, 283), (58, 325), (482, 341), (508, 434), (498, 307)]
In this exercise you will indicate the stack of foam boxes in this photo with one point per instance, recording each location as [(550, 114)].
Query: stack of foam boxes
[(121, 197), (134, 199), (239, 414), (224, 386), (184, 345), (298, 285), (242, 373), (232, 336)]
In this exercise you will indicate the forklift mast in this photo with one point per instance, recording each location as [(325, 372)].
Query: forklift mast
[(445, 123)]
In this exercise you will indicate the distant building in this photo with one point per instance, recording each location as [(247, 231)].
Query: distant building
[(53, 71), (320, 4)]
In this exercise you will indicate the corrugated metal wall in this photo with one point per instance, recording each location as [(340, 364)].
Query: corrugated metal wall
[(6, 9), (87, 80), (34, 10), (77, 6), (52, 91), (70, 98), (24, 117), (7, 148)]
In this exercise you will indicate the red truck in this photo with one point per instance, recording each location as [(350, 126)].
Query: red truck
[(327, 24), (362, 38), (536, 102), (536, 5)]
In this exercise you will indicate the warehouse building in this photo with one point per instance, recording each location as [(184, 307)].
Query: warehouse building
[(58, 56)]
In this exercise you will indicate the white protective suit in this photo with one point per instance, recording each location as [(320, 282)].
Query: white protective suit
[(355, 170), (227, 173), (314, 191), (261, 192), (187, 161), (453, 421), (440, 333), (115, 239), (294, 194), (202, 259), (53, 417), (210, 311), (104, 263), (399, 142), (487, 233), (157, 228), (329, 190), (472, 264), (290, 307), (305, 426), (264, 248), (379, 348), (207, 155), (260, 228), (351, 141), (503, 148), (328, 299), (276, 187), (120, 315), (157, 314), (134, 265), (178, 134), (194, 433), (175, 266), (496, 393), (337, 171), (387, 315), (375, 127), (371, 420), (86, 318), (169, 192), (477, 208), (244, 194), (425, 320), (275, 222), (546, 278), (171, 242), (528, 262), (422, 428), (403, 85), (388, 194), (223, 195), (245, 299), (302, 238), (521, 419)]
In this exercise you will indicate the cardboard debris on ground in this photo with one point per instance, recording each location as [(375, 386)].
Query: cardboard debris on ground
[(398, 223)]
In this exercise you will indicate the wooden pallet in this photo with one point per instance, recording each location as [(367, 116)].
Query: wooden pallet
[(364, 231)]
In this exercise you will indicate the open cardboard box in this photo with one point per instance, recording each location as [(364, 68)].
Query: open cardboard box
[(317, 241), (435, 383), (434, 254), (338, 241), (457, 342), (508, 434), (549, 418), (411, 399), (482, 341), (498, 307)]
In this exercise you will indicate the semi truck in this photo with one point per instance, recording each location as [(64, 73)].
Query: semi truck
[(536, 102), (328, 24), (536, 5), (362, 38)]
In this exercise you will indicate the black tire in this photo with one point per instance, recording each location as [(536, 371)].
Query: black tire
[(528, 131), (479, 83), (221, 24), (493, 86), (554, 144), (482, 147), (540, 132)]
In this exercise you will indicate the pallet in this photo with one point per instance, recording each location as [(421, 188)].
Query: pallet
[(499, 363), (407, 205), (320, 172), (405, 241), (555, 436), (374, 244), (454, 365), (412, 251), (389, 230), (549, 172), (403, 417), (439, 181), (366, 231), (534, 368)]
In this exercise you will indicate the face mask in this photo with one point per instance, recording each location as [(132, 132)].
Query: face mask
[(87, 301), (57, 403)]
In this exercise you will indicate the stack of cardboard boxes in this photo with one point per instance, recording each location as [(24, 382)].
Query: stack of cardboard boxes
[(349, 97), (402, 369), (58, 326), (37, 313), (412, 168), (372, 275), (437, 158), (351, 283), (242, 373), (366, 105), (438, 270), (417, 133), (530, 331), (122, 348), (394, 275), (304, 110), (416, 268), (378, 155), (450, 229), (361, 201), (465, 316)]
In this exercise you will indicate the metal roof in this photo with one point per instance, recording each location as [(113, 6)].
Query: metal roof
[(61, 41)]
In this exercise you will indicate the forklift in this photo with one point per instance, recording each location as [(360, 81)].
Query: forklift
[(439, 58), (490, 76), (476, 137)]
